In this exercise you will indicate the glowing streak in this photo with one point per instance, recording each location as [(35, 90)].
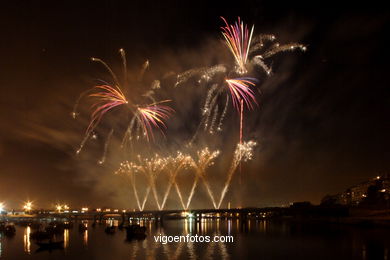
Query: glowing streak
[(243, 152), (205, 159), (238, 39), (108, 98), (192, 192), (103, 159), (124, 64), (154, 115), (219, 128), (108, 69), (215, 114), (240, 89), (179, 163), (241, 118)]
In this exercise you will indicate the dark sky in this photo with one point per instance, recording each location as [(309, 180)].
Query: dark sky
[(322, 124)]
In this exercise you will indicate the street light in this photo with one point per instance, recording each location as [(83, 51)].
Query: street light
[(1, 207)]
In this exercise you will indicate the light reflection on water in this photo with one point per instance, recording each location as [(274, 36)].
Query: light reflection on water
[(66, 238), (1, 245), (270, 240), (26, 240)]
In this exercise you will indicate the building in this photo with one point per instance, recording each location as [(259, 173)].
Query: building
[(373, 191)]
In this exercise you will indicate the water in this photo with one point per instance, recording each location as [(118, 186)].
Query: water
[(259, 240)]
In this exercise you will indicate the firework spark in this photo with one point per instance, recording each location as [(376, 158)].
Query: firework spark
[(205, 160), (240, 89), (243, 153), (106, 97), (153, 116), (238, 39)]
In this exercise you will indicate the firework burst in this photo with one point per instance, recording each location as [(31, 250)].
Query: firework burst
[(107, 97), (153, 116), (240, 90), (238, 39)]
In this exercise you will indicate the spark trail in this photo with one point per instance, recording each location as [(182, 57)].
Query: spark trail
[(242, 153), (107, 96), (238, 39)]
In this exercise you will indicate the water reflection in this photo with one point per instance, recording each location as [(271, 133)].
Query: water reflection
[(26, 240), (85, 238), (85, 232), (269, 239), (66, 238)]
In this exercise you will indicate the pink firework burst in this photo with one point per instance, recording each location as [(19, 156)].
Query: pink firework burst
[(241, 90), (153, 115), (238, 39), (107, 98)]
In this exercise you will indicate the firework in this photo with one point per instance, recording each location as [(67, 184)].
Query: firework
[(260, 51), (131, 169), (106, 97), (177, 164), (243, 153), (205, 160), (238, 39), (240, 89), (153, 116), (205, 73)]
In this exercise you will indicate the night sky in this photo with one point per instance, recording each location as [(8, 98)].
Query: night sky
[(322, 123)]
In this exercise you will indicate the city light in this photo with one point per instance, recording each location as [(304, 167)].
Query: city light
[(28, 206), (85, 209), (58, 208), (1, 207), (187, 214)]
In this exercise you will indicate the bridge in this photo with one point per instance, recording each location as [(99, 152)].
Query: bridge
[(243, 214)]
